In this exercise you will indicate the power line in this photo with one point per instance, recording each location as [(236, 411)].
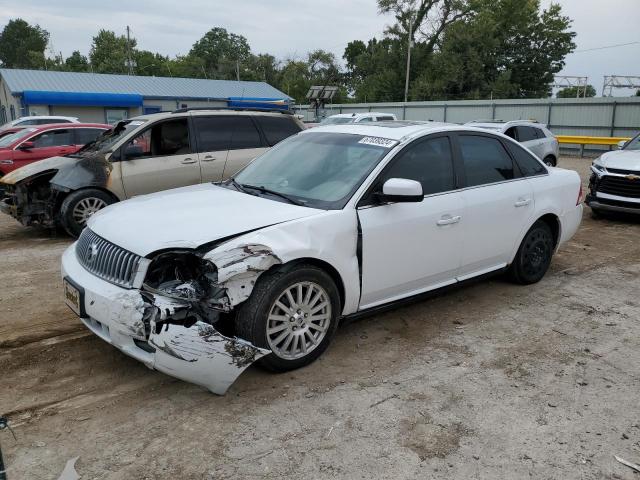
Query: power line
[(608, 46)]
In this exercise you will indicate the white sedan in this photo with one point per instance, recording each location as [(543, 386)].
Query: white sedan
[(200, 282)]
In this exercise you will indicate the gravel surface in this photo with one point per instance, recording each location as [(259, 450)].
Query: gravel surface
[(488, 381)]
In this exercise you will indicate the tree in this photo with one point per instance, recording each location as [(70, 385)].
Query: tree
[(424, 20), (572, 92), (505, 48), (109, 52), (23, 45), (221, 52), (150, 64), (76, 62)]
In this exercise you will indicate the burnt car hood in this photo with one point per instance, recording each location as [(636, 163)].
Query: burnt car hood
[(621, 159), (48, 164), (189, 217)]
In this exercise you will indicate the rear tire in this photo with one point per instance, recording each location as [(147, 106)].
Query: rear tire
[(550, 161), (78, 206), (534, 255), (293, 313)]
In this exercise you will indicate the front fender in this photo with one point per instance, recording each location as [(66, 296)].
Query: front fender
[(330, 237)]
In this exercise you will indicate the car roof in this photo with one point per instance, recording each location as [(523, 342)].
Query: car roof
[(45, 117), (356, 115), (51, 126), (499, 124), (394, 130), (204, 111)]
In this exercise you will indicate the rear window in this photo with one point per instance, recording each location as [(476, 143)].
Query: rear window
[(526, 134), (226, 133), (385, 119), (276, 129)]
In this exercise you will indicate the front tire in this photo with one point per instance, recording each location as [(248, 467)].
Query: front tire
[(293, 313), (78, 206), (534, 255)]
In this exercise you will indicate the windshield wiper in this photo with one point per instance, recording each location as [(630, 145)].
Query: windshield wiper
[(262, 189), (233, 182)]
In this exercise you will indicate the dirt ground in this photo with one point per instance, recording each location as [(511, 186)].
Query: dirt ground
[(489, 381)]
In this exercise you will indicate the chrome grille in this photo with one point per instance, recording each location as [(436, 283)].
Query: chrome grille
[(106, 260)]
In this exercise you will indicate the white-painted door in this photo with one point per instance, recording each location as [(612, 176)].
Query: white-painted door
[(409, 248), (497, 206)]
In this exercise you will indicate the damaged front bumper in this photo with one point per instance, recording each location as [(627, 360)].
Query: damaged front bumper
[(136, 325)]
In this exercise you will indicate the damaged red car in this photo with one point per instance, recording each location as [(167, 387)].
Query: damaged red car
[(28, 145)]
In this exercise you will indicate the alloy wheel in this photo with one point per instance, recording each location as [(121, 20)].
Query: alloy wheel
[(298, 320), (87, 207)]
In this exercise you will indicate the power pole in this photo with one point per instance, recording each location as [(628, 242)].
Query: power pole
[(238, 70), (129, 60), (406, 81)]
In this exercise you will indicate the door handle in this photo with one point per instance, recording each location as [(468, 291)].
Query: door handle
[(523, 202), (187, 161), (448, 220), (208, 158)]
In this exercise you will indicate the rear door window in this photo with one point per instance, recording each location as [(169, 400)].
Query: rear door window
[(276, 129), (529, 166), (485, 160), (526, 134), (53, 138), (86, 135)]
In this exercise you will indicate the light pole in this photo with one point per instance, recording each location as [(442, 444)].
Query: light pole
[(410, 35)]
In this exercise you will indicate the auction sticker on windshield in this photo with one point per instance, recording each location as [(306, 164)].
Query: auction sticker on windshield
[(378, 142)]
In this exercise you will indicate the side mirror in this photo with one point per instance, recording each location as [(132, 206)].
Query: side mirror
[(133, 151), (401, 190), (26, 146), (621, 144)]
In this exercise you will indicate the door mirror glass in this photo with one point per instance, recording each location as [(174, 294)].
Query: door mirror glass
[(621, 144), (401, 190), (26, 146)]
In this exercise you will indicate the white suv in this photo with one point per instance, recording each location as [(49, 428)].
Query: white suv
[(615, 182), (201, 281), (343, 118), (535, 136), (38, 120)]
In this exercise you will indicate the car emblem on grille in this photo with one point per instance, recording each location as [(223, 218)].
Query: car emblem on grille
[(92, 253), (632, 177)]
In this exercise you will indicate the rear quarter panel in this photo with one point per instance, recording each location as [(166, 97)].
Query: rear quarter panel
[(557, 194)]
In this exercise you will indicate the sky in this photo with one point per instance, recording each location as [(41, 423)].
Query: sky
[(290, 28)]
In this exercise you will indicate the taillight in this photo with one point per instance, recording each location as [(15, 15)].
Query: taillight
[(579, 201)]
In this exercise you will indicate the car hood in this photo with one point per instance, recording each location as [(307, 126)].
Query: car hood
[(22, 173), (189, 217), (621, 159)]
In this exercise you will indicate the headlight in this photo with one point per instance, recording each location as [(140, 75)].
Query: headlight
[(598, 169), (181, 275)]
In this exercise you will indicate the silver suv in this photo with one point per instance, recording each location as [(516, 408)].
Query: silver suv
[(535, 136), (141, 155)]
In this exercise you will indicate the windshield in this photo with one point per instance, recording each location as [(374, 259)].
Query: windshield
[(337, 120), (108, 139), (12, 137), (633, 144), (319, 170)]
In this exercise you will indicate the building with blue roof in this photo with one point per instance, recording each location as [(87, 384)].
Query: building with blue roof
[(96, 97)]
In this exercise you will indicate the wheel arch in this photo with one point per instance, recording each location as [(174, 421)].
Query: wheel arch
[(552, 220), (323, 265), (89, 187)]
